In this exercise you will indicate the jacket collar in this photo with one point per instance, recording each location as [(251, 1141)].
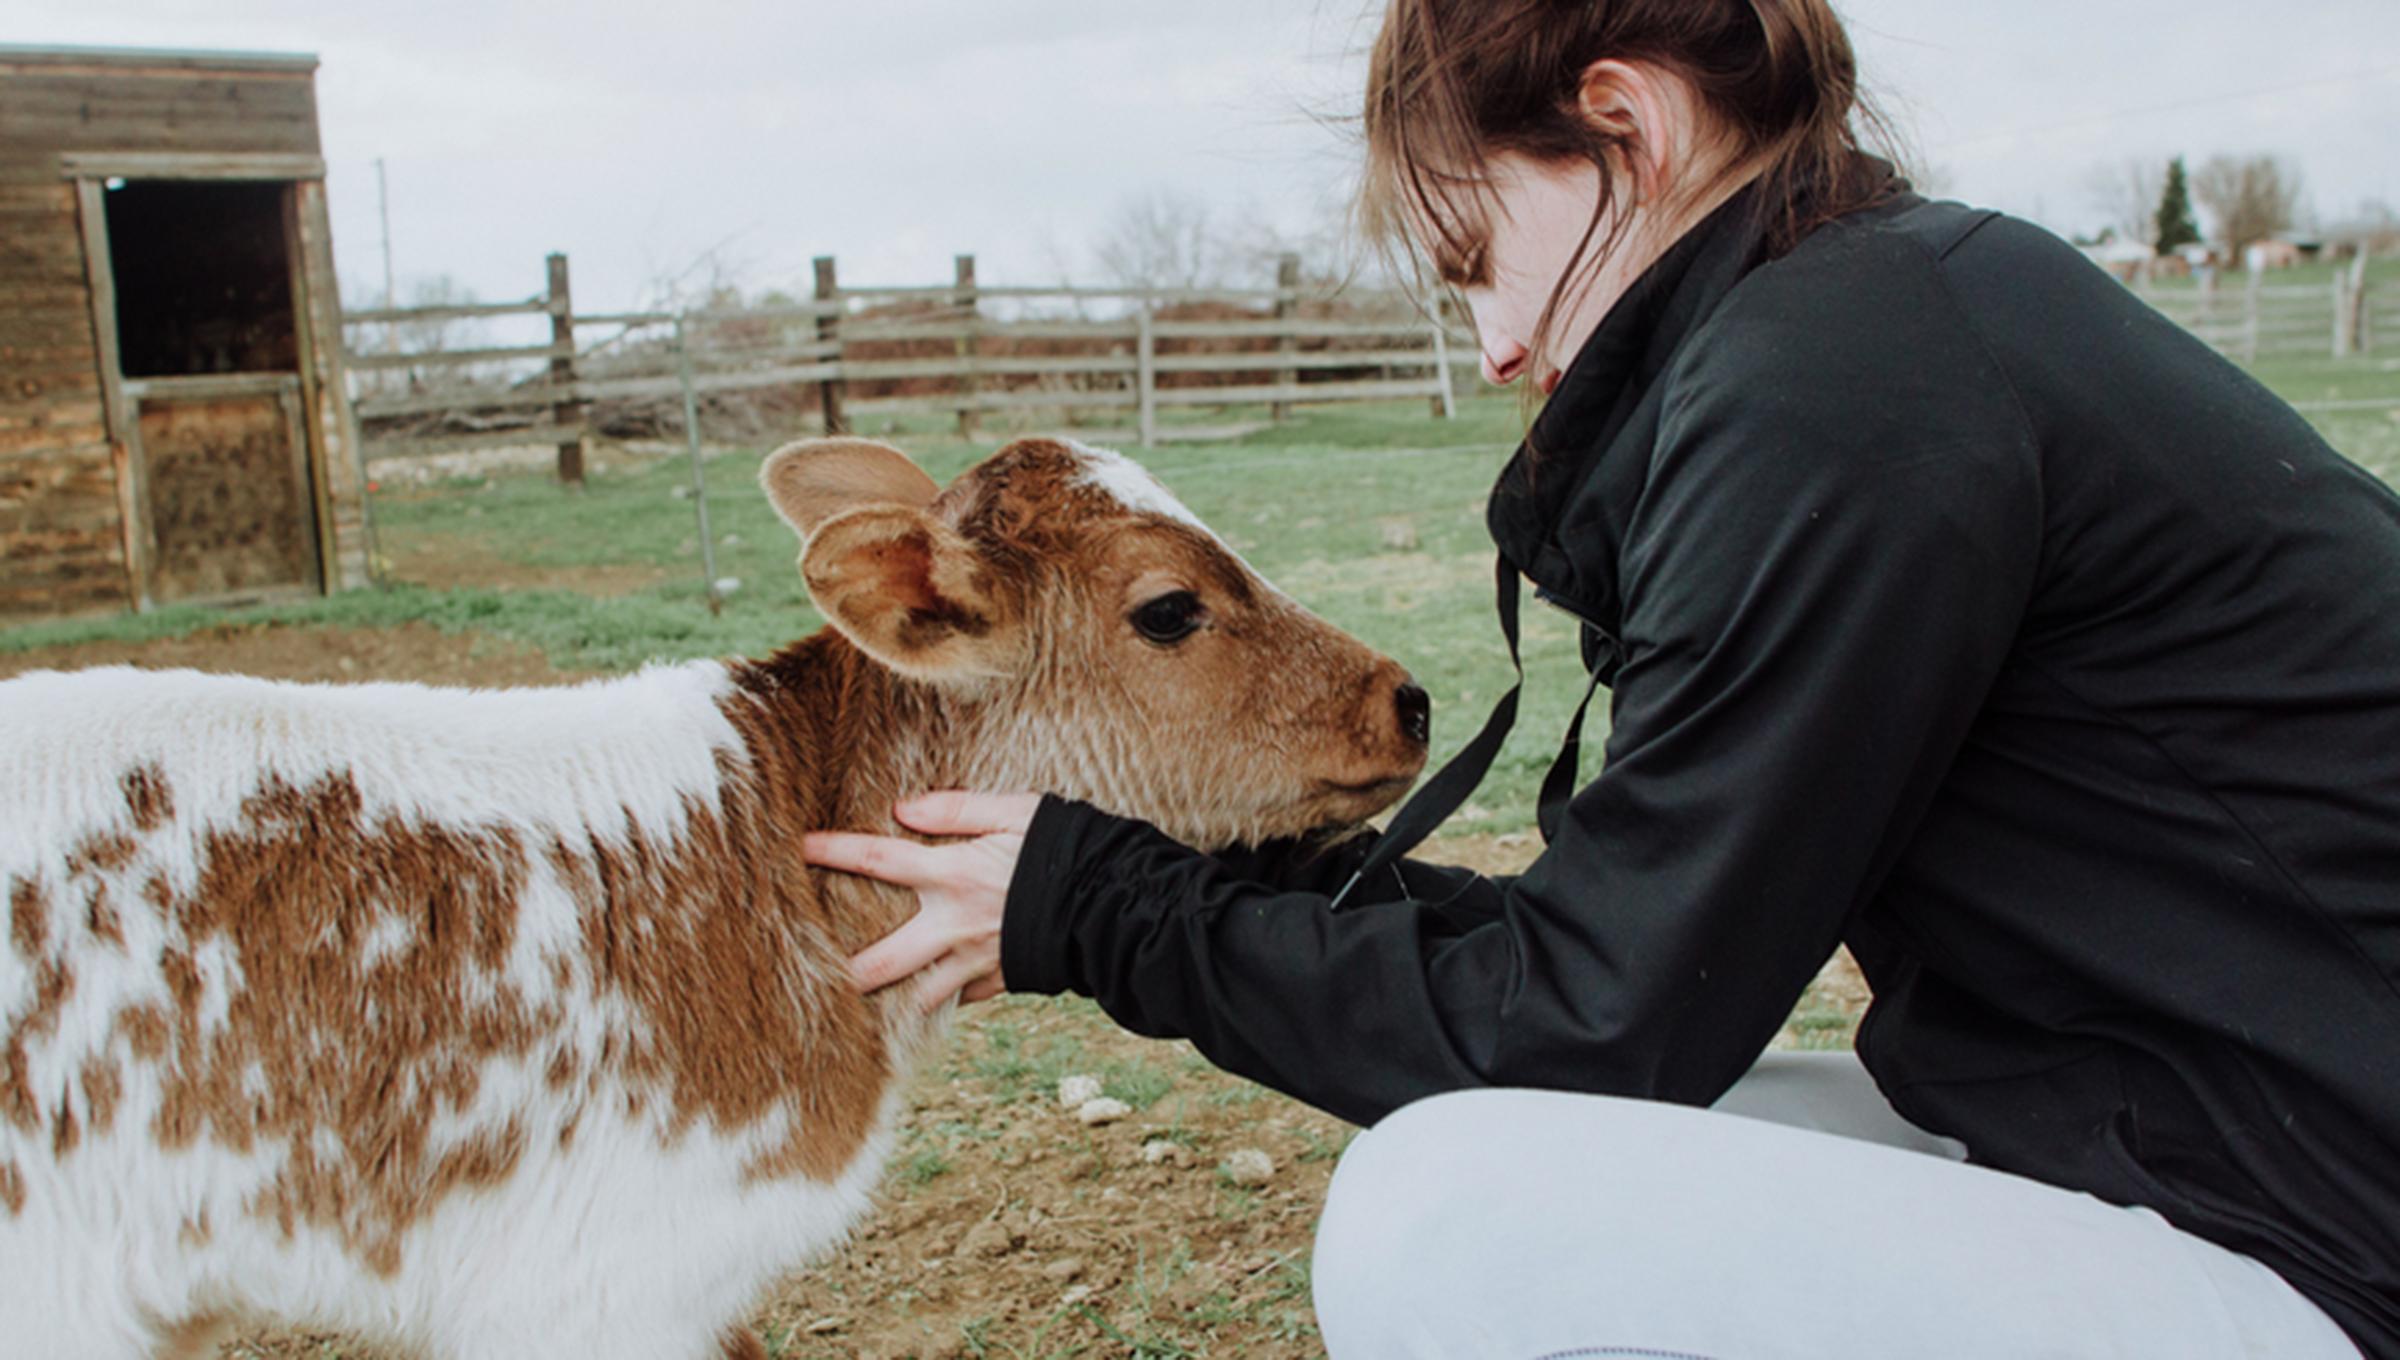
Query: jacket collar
[(1604, 387)]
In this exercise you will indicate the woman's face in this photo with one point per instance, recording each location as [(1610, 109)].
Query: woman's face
[(1539, 214)]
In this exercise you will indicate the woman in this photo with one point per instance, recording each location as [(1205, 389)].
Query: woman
[(1954, 606)]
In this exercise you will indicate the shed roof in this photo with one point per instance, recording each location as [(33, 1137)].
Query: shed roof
[(162, 58)]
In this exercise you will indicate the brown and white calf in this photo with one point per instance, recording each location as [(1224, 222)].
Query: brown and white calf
[(511, 1023)]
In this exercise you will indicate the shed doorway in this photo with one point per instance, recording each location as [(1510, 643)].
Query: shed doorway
[(208, 357)]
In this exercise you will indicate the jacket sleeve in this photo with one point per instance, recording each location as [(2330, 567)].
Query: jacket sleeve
[(1816, 606)]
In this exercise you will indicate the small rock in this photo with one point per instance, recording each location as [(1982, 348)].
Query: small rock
[(1165, 1150), (827, 1326), (681, 493), (987, 1238), (1248, 1166), (1063, 1269), (1076, 1092), (1075, 1294), (1104, 1110)]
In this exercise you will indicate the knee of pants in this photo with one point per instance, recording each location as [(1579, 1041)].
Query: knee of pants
[(1393, 1187)]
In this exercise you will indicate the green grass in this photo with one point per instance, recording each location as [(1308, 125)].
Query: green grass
[(1309, 503)]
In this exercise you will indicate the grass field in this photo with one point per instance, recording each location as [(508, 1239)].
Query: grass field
[(1371, 515)]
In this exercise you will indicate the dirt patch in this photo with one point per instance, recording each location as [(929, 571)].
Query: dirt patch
[(443, 561), (414, 651)]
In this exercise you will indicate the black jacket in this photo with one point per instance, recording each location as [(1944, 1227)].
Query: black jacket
[(1957, 606)]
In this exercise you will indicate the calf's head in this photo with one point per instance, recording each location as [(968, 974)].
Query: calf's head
[(1095, 640)]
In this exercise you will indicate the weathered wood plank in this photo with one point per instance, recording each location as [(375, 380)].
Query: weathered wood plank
[(187, 165), (39, 438), (1298, 392), (31, 415)]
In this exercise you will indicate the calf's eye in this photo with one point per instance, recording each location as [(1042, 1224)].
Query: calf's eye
[(1169, 619)]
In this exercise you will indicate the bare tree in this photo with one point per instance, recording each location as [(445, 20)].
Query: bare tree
[(2126, 195), (1160, 239), (2247, 198)]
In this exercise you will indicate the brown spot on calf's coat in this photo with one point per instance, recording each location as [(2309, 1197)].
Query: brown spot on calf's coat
[(65, 1132), (12, 1188), (743, 1344), (101, 918), (28, 917), (196, 1231), (103, 1087), (52, 985), (101, 854), (148, 797), (354, 1064)]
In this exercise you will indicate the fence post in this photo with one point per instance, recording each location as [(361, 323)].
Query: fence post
[(968, 346), (2361, 339), (691, 444), (1145, 375), (2253, 278), (1445, 401), (2341, 314), (829, 330), (1287, 301), (570, 412)]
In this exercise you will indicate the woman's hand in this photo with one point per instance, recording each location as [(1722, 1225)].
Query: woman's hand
[(952, 945)]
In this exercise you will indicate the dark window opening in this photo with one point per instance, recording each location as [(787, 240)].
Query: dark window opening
[(204, 278)]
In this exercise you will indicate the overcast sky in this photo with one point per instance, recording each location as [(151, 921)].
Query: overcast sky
[(648, 139)]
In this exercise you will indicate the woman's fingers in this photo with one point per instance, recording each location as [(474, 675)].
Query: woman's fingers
[(957, 813), (885, 857), (899, 954), (946, 979)]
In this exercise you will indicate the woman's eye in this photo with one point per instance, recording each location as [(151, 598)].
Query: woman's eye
[(1467, 268), (1169, 619)]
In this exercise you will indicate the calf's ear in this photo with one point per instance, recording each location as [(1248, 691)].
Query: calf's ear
[(814, 480), (914, 594)]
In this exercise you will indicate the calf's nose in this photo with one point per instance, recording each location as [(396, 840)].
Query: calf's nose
[(1415, 709)]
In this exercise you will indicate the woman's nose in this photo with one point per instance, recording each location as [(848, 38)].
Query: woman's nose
[(1506, 365)]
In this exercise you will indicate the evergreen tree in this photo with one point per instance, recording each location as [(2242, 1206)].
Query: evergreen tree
[(2176, 229)]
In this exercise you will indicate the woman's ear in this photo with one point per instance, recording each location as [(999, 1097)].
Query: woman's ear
[(1632, 103), (914, 594)]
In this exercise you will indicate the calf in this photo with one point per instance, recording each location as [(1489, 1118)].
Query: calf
[(511, 1023)]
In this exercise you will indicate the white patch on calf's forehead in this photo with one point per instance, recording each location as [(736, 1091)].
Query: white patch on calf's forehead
[(1132, 486)]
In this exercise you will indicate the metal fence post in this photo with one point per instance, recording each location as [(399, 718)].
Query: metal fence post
[(691, 443), (570, 412)]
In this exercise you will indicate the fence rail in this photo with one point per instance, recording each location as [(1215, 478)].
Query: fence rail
[(958, 349), (968, 350)]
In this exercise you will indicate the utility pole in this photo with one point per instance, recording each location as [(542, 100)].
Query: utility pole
[(383, 205)]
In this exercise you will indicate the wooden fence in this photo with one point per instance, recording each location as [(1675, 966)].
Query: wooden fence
[(2250, 317), (1139, 357)]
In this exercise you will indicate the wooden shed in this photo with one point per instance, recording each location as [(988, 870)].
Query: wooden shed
[(174, 426)]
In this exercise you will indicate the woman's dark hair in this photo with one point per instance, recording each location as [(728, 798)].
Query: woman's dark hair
[(1453, 83)]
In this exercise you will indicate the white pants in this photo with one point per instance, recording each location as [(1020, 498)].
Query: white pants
[(1532, 1225)]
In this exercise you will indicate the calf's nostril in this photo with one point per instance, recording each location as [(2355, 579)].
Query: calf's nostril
[(1415, 708)]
